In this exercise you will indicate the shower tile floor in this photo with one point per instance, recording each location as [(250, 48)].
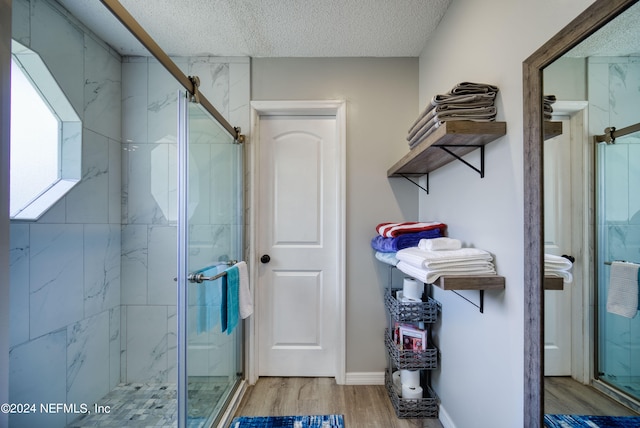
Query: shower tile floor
[(153, 405)]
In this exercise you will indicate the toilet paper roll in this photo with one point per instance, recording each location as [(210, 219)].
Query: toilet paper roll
[(411, 392), (412, 289), (397, 383), (410, 378)]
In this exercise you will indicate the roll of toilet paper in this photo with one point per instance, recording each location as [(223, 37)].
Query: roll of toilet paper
[(410, 378), (397, 383), (412, 289), (411, 392)]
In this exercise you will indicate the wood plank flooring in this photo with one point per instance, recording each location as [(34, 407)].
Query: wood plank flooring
[(362, 406), (563, 395)]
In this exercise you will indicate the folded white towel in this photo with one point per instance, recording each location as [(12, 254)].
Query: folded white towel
[(439, 244), (423, 258), (430, 276), (622, 298), (554, 262), (472, 263), (245, 299)]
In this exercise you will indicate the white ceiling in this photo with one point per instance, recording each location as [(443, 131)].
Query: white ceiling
[(270, 28)]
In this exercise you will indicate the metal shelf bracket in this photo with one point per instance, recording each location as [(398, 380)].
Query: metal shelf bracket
[(425, 189), (479, 305), (480, 170)]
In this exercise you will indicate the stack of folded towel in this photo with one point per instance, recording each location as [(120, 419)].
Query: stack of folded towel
[(466, 101), (558, 266), (434, 258), (547, 110), (392, 237)]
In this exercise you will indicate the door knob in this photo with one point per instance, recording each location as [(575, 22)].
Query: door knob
[(265, 258)]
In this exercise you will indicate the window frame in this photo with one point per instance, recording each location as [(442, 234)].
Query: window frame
[(70, 136)]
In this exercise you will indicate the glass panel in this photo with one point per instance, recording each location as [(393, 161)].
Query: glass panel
[(618, 223), (210, 225)]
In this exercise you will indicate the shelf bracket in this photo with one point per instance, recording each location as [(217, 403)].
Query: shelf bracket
[(426, 190), (480, 306), (480, 171)]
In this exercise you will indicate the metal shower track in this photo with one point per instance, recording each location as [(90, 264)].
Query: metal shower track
[(189, 83)]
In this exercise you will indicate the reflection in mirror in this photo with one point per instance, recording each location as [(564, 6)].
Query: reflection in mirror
[(592, 212)]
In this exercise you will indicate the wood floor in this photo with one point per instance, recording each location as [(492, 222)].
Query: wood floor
[(361, 406), (563, 395)]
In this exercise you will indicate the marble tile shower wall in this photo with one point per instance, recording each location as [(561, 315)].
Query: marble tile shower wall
[(614, 95), (92, 292), (65, 267), (149, 211)]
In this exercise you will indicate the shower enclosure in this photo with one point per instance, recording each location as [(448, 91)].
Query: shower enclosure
[(618, 239), (95, 335), (209, 241)]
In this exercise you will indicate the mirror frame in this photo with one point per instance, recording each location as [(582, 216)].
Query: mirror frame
[(588, 22)]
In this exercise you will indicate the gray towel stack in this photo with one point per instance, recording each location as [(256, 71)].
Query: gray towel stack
[(466, 101), (547, 110)]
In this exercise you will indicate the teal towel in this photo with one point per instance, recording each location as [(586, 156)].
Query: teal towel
[(209, 297), (223, 303), (232, 299)]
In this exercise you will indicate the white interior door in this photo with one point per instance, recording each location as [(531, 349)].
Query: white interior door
[(558, 238), (299, 234)]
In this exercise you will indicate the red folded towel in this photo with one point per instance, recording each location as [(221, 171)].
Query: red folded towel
[(391, 230)]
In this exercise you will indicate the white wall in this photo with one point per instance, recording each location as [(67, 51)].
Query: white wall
[(381, 94), (480, 382)]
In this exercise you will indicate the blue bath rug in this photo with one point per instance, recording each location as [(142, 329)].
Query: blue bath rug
[(321, 421), (570, 421)]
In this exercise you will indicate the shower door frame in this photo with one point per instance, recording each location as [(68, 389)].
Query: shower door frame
[(235, 392), (607, 387)]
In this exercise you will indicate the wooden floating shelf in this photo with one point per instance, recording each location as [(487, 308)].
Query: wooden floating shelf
[(553, 283), (460, 137), (481, 283), (475, 282), (552, 129)]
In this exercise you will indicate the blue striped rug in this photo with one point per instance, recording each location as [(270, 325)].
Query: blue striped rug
[(571, 421), (318, 421)]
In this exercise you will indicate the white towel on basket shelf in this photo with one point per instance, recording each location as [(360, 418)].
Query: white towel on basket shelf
[(622, 298)]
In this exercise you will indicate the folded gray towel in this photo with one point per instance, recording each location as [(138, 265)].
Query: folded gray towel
[(487, 114), (465, 101), (473, 88)]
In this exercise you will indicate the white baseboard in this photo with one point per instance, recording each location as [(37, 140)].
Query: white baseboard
[(444, 417), (365, 378)]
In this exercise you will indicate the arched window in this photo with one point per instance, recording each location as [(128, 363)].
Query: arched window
[(46, 137)]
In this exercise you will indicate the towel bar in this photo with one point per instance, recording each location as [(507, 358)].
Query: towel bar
[(200, 278)]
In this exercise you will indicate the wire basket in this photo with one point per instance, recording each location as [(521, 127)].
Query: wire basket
[(426, 312), (415, 408), (408, 359)]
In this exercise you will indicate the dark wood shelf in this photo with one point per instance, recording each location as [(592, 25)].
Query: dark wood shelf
[(481, 283), (475, 282), (458, 137), (552, 129), (553, 283)]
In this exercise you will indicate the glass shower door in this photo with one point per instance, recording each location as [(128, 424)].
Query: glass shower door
[(209, 241), (618, 234)]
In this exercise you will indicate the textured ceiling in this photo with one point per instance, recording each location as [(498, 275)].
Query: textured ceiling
[(270, 28), (620, 37)]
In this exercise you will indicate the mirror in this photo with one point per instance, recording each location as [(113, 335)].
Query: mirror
[(590, 21)]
